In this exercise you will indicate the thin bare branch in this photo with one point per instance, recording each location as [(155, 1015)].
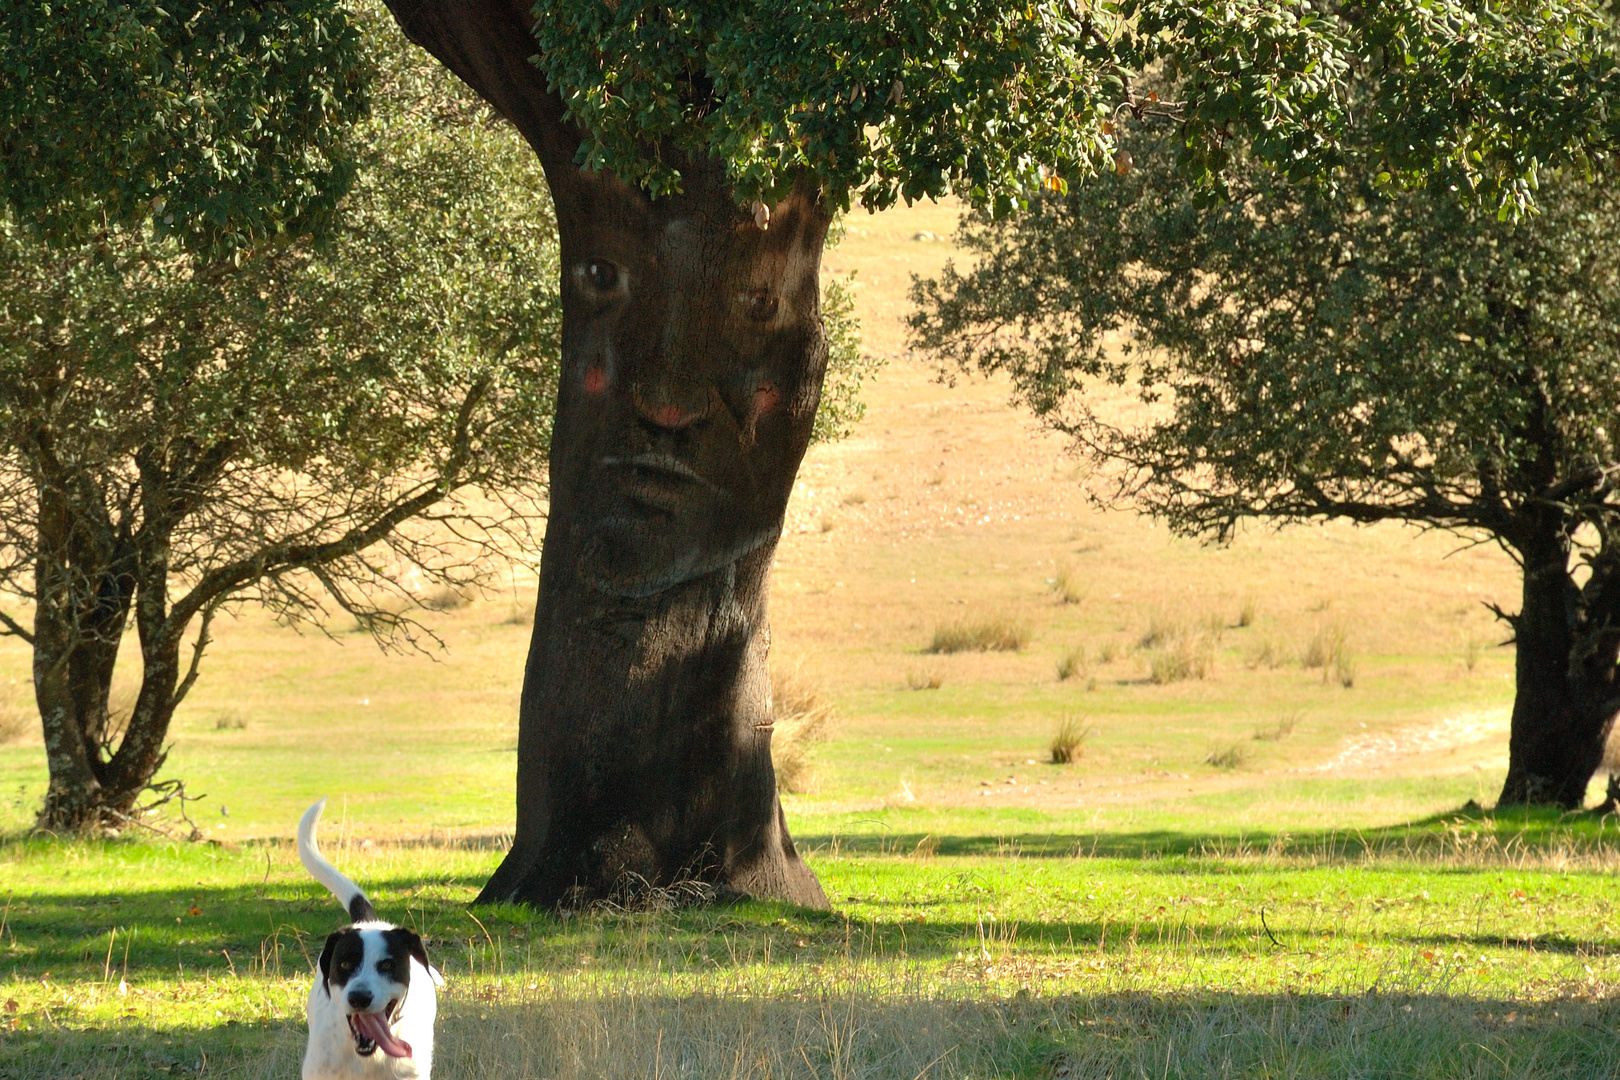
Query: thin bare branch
[(14, 629), (204, 638)]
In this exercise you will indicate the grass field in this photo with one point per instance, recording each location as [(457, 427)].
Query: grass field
[(1257, 864)]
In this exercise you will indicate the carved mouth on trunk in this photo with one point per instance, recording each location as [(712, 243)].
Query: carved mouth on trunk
[(657, 481)]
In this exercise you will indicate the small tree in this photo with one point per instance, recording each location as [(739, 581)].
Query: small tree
[(193, 417), (1316, 351)]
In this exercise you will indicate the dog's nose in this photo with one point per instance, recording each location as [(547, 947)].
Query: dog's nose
[(360, 999)]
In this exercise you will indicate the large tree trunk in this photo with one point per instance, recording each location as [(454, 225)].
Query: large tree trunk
[(692, 364), (1565, 698)]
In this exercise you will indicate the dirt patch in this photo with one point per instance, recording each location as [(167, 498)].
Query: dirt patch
[(1375, 752)]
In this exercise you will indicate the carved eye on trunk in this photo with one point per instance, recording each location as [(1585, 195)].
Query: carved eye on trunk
[(602, 277), (761, 305)]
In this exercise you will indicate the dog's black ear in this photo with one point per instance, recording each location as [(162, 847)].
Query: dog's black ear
[(413, 944), (326, 959)]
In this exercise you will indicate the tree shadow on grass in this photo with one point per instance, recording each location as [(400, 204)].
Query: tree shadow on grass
[(855, 1030), (225, 934)]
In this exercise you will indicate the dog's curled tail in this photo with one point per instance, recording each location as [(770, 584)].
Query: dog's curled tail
[(309, 853)]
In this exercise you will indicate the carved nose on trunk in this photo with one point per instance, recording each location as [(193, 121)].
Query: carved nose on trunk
[(671, 411)]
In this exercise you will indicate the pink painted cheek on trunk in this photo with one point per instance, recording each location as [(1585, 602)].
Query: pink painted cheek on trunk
[(595, 380), (765, 399)]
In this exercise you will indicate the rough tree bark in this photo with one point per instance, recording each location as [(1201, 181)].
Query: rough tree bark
[(90, 577), (693, 358), (78, 622), (1568, 641)]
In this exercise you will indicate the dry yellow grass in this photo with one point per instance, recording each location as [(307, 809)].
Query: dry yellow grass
[(803, 717)]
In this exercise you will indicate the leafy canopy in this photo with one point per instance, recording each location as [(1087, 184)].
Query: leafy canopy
[(218, 121), (1314, 351), (987, 98), (281, 407)]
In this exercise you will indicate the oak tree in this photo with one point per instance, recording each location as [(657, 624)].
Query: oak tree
[(260, 345)]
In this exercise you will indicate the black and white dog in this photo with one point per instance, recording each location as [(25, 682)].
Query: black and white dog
[(374, 990)]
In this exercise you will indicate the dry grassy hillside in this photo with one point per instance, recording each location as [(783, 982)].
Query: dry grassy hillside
[(1190, 670)]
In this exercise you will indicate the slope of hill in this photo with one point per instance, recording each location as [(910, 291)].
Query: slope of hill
[(947, 506)]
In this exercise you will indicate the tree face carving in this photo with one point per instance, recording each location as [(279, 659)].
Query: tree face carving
[(693, 359)]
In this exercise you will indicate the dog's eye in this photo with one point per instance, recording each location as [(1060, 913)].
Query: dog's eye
[(385, 966)]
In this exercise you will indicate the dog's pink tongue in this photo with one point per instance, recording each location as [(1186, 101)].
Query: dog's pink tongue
[(375, 1027)]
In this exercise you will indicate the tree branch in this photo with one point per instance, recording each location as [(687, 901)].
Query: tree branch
[(1579, 482), (277, 558), (14, 629), (202, 642)]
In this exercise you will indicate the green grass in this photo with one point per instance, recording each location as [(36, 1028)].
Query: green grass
[(1009, 955)]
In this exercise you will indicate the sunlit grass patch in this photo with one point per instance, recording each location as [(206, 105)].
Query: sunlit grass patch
[(1177, 650), (803, 717)]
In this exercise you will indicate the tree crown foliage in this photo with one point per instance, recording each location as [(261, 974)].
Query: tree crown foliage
[(297, 391), (988, 98), (221, 122), (1312, 351)]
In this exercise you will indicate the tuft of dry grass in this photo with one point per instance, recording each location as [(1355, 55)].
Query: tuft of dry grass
[(1188, 658), (1069, 742), (445, 598), (1070, 587), (1279, 729), (1072, 663), (1160, 628), (1246, 613), (803, 717), (1234, 756), (924, 680), (1329, 650), (1177, 651), (1269, 654), (230, 720), (984, 635)]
